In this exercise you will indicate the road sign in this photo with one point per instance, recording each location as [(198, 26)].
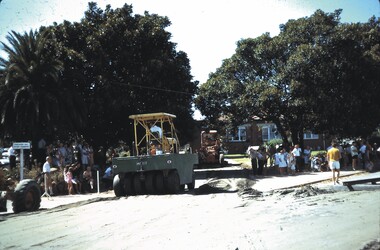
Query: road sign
[(21, 145)]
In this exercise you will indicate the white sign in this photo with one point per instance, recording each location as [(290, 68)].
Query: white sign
[(21, 145)]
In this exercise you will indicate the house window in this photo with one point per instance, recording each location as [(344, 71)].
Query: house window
[(265, 133), (310, 136), (269, 132), (239, 135)]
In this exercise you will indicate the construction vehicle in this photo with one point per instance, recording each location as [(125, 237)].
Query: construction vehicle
[(158, 165), (210, 151), (26, 196)]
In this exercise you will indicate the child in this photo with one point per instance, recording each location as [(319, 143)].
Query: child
[(315, 163), (87, 175), (68, 175)]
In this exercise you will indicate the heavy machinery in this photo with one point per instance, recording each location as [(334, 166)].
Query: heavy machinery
[(158, 164), (210, 151), (26, 196)]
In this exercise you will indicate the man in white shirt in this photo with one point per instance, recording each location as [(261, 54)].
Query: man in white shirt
[(297, 152), (46, 169), (12, 157)]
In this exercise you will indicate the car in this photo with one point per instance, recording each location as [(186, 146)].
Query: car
[(4, 160)]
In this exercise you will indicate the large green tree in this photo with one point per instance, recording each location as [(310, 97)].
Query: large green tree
[(304, 78), (126, 64), (33, 100), (87, 77)]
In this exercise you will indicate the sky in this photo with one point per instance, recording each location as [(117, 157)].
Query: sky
[(207, 30)]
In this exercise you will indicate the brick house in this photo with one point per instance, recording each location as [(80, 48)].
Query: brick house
[(258, 132)]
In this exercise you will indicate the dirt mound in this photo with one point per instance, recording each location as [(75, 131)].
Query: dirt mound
[(250, 193), (373, 245), (224, 186), (302, 192)]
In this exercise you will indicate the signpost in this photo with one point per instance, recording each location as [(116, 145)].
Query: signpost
[(21, 146)]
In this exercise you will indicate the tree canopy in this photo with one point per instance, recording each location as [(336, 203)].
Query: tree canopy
[(318, 74), (117, 64)]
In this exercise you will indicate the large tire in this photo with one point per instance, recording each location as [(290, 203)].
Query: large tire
[(173, 183), (159, 182), (221, 160), (149, 183), (137, 184), (128, 184), (27, 196), (118, 186), (191, 185)]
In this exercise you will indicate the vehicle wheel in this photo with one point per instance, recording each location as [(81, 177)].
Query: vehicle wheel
[(137, 184), (149, 183), (182, 187), (27, 196), (128, 184), (191, 185), (159, 182), (173, 182), (118, 187), (221, 160)]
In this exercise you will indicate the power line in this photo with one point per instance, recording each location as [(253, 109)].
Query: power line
[(153, 88)]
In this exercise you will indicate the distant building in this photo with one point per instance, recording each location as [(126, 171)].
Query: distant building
[(258, 132)]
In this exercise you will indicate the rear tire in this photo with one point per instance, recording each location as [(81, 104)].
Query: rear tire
[(128, 184), (159, 182), (173, 182), (149, 183), (27, 197), (118, 186), (137, 184), (191, 185)]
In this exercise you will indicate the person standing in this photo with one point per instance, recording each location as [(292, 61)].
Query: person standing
[(12, 158), (261, 160), (354, 155), (41, 155), (84, 156), (297, 152), (254, 159), (282, 163), (333, 157), (363, 150), (341, 160), (46, 169), (306, 157), (291, 163)]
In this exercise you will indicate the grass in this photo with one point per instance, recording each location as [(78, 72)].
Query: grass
[(239, 158), (316, 152)]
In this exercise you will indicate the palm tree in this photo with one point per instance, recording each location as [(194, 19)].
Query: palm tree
[(33, 99)]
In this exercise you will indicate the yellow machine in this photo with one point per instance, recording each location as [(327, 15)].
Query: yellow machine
[(158, 164)]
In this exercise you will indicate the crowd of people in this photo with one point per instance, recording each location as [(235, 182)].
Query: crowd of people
[(358, 154), (78, 161)]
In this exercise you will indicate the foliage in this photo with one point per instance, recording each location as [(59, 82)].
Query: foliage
[(318, 152), (127, 65), (87, 77), (32, 96), (317, 74), (274, 142)]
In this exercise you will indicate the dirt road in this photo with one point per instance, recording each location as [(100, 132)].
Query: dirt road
[(242, 218)]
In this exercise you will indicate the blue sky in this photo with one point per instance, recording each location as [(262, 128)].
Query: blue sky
[(207, 30)]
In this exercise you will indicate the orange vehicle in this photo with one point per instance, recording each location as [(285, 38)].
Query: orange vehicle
[(210, 151)]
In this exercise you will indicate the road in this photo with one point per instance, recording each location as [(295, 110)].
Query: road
[(232, 217)]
